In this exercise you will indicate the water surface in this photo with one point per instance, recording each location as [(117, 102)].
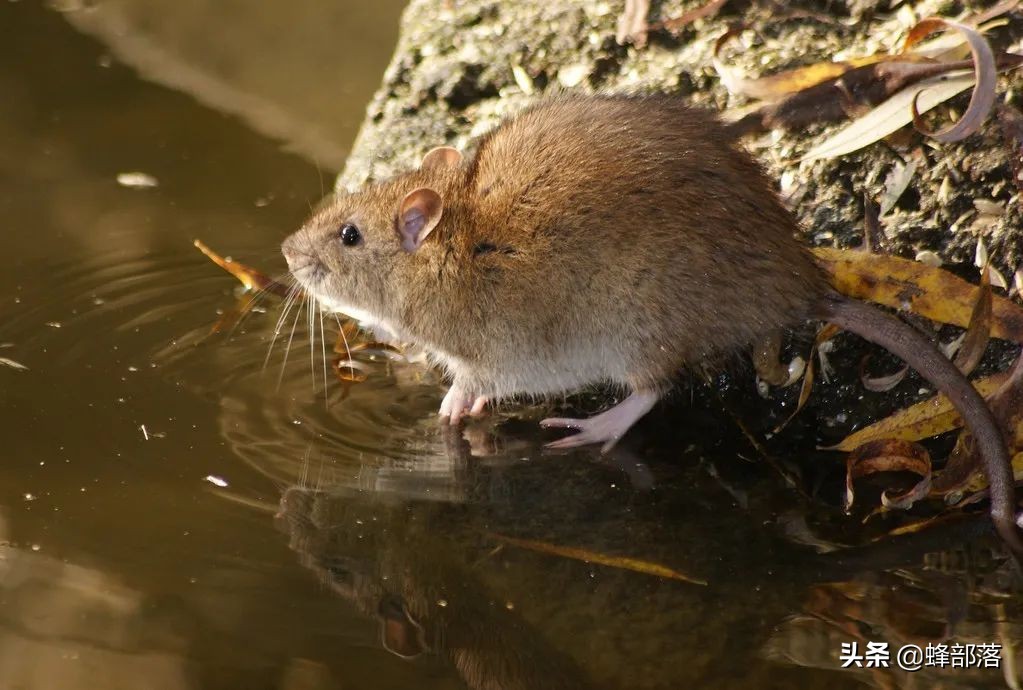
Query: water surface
[(177, 511)]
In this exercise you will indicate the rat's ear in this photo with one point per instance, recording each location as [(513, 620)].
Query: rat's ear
[(418, 215), (441, 157)]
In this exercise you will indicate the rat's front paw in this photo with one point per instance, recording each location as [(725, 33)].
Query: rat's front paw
[(457, 403)]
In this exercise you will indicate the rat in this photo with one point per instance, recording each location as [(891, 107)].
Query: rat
[(596, 238)]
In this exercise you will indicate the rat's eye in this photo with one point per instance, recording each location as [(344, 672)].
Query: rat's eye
[(350, 235)]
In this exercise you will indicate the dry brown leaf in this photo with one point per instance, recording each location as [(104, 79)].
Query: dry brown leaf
[(788, 82), (985, 72), (978, 332), (912, 286), (889, 455), (826, 332), (246, 275), (622, 562), (766, 360)]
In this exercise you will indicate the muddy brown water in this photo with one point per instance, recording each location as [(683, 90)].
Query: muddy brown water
[(178, 512)]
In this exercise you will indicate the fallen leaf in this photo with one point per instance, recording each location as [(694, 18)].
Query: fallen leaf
[(622, 562), (921, 420), (881, 384), (246, 275), (896, 183), (978, 332), (916, 287), (985, 72), (348, 370), (784, 83), (826, 331), (137, 180), (766, 360), (891, 115), (18, 366), (889, 455)]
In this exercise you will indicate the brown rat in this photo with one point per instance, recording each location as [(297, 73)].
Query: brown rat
[(595, 238)]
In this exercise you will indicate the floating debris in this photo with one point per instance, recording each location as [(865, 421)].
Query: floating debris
[(216, 481), (137, 180), (17, 366)]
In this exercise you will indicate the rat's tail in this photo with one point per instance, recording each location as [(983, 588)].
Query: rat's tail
[(919, 352)]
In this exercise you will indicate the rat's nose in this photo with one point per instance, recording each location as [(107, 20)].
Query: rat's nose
[(291, 253)]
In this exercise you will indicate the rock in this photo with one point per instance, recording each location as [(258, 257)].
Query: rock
[(461, 66)]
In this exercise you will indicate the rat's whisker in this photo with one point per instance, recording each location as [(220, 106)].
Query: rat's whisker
[(323, 352), (289, 302), (291, 339), (312, 338), (344, 339), (259, 296)]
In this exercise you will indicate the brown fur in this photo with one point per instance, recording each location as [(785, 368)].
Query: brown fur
[(613, 237)]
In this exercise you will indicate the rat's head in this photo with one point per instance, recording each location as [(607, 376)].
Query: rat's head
[(353, 255)]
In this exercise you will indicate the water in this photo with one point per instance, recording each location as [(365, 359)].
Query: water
[(173, 514)]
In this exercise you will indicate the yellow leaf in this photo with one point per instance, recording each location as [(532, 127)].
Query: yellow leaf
[(923, 420), (903, 284)]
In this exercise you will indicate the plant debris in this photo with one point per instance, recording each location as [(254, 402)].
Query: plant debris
[(889, 455), (883, 92), (10, 363), (915, 287)]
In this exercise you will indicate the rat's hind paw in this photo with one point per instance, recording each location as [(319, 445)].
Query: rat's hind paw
[(606, 427), (589, 433), (457, 403)]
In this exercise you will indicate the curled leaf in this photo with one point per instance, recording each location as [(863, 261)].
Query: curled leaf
[(913, 286), (348, 370), (889, 455), (881, 384), (985, 73)]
